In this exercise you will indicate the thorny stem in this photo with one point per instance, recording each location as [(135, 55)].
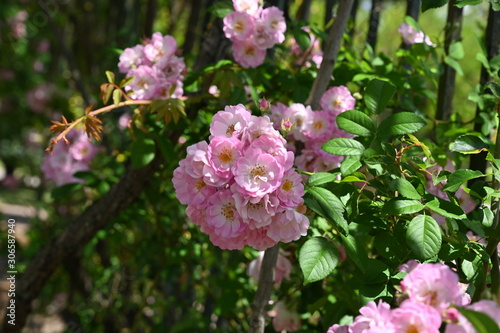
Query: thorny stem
[(105, 109)]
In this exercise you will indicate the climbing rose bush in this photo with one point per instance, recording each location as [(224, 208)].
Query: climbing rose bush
[(240, 187), (411, 36), (157, 71), (253, 29)]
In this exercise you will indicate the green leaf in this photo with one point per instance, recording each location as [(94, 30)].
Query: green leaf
[(378, 93), (456, 50), (488, 216), (142, 152), (405, 188), (356, 122), (469, 144), (495, 89), (318, 258), (328, 205), (424, 237), (429, 4), (454, 64), (350, 164), (481, 321), (110, 76), (343, 146), (65, 190), (397, 206), (456, 179), (446, 208), (321, 178), (221, 8), (463, 3), (355, 251), (126, 81), (117, 96), (302, 38), (400, 123)]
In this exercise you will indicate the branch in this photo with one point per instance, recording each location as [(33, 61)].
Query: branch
[(257, 318), (330, 54)]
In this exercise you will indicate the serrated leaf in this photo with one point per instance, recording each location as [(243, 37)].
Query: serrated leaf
[(142, 152), (302, 38), (355, 251), (463, 3), (454, 64), (446, 208), (350, 164), (469, 144), (106, 91), (356, 122), (221, 8), (405, 188), (429, 4), (321, 178), (456, 179), (481, 321), (329, 206), (397, 206), (400, 123), (318, 257), (378, 93), (117, 96), (126, 81), (488, 216), (343, 146), (495, 89), (110, 76), (423, 236), (456, 50)]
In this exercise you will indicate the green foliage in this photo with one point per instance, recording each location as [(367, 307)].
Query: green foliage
[(481, 322), (318, 258)]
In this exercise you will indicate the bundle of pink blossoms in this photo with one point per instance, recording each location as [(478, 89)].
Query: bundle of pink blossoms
[(67, 159), (314, 128), (240, 187), (157, 71), (431, 292), (253, 29)]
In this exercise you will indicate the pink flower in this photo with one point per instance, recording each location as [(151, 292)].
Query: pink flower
[(374, 318), (145, 82), (238, 26), (222, 154), (291, 189), (256, 211), (196, 159), (160, 48), (247, 54), (39, 97), (415, 317), (230, 122), (337, 100), (412, 36), (284, 319), (262, 38), (321, 127), (435, 285), (301, 117), (259, 127), (336, 328), (257, 173), (191, 190), (288, 226), (223, 215), (258, 239), (83, 150), (283, 268), (487, 307), (131, 58), (274, 23), (248, 6)]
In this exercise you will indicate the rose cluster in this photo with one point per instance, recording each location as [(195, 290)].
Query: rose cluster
[(430, 294), (240, 187), (411, 36), (157, 71), (314, 128), (253, 29), (66, 159)]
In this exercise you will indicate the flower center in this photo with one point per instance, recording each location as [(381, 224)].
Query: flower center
[(228, 211), (287, 185), (230, 129), (337, 102), (238, 25), (412, 329), (250, 51), (226, 156), (258, 171), (318, 125), (255, 206), (200, 184)]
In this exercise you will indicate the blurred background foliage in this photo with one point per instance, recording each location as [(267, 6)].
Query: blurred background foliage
[(150, 269)]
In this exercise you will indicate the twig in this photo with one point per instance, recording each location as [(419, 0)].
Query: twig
[(257, 318)]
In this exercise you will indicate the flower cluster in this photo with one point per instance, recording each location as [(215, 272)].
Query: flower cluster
[(66, 159), (240, 187), (157, 71), (312, 54), (430, 293), (253, 29), (412, 36), (314, 128)]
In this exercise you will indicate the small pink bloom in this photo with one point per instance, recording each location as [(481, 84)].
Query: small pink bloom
[(238, 26), (490, 308), (247, 54), (274, 23), (411, 36), (223, 215), (258, 239), (336, 328), (374, 318), (283, 268), (416, 317), (145, 83), (301, 117), (230, 122), (337, 100), (259, 127), (291, 189), (257, 212), (160, 48), (251, 7), (284, 319), (288, 226), (321, 127), (131, 58), (196, 159), (222, 154), (190, 190)]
